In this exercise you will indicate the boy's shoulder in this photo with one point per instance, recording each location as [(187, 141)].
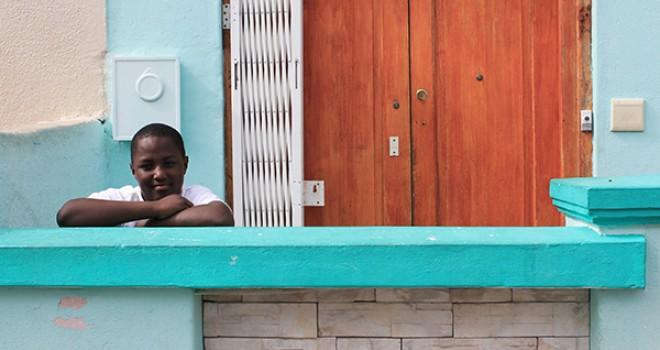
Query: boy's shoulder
[(195, 188), (126, 193), (199, 194)]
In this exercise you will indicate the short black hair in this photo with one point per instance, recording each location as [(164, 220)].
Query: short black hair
[(159, 130)]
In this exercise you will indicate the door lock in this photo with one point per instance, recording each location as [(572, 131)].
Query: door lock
[(422, 94)]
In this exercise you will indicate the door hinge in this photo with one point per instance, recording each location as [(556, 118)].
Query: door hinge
[(226, 16), (313, 193), (586, 120)]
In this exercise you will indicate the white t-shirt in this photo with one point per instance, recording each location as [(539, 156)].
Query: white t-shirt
[(197, 195)]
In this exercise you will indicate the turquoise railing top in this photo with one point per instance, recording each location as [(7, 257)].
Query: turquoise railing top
[(609, 200), (321, 257)]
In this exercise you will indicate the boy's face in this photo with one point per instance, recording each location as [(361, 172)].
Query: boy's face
[(158, 166)]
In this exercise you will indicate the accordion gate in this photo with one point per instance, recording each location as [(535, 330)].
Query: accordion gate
[(267, 111)]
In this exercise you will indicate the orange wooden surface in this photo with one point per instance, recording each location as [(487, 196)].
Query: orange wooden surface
[(528, 110), (569, 92), (356, 63), (425, 127), (480, 124), (500, 140), (546, 58), (584, 90), (392, 84)]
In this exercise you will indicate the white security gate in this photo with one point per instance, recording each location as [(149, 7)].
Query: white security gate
[(267, 112)]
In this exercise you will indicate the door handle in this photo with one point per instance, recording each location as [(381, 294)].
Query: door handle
[(422, 94)]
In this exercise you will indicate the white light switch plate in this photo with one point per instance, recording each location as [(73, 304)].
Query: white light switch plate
[(627, 114)]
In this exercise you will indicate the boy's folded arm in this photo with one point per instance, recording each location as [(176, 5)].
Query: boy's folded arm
[(100, 212), (211, 214)]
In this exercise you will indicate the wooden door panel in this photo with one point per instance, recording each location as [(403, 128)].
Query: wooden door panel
[(338, 58), (426, 129), (546, 129), (498, 139), (479, 45), (391, 73), (356, 64)]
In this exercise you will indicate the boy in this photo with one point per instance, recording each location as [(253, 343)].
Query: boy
[(158, 163)]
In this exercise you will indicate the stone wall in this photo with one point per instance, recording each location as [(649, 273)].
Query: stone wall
[(396, 319)]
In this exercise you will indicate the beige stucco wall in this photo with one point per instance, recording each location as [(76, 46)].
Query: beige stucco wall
[(51, 63)]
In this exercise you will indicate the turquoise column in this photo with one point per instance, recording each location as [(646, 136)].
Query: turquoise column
[(618, 207)]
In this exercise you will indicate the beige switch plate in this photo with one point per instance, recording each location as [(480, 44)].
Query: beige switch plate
[(627, 114)]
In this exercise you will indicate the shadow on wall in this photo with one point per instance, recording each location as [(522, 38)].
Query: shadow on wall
[(42, 169)]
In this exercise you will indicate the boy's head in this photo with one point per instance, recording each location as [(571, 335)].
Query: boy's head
[(158, 161)]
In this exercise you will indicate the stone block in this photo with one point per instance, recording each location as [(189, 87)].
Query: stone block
[(269, 344), (563, 343), (470, 344), (368, 344), (551, 295), (521, 320), (346, 295), (414, 295), (223, 297), (260, 320), (385, 320), (280, 295), (480, 295), (343, 295)]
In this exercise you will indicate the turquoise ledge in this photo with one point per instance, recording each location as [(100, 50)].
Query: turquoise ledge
[(609, 201), (321, 257)]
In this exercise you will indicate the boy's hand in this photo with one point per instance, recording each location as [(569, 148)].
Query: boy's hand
[(170, 205), (212, 214)]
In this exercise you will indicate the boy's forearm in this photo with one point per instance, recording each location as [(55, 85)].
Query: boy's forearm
[(98, 212), (212, 214)]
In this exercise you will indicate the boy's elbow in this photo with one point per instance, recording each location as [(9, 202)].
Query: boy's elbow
[(226, 220), (63, 217), (227, 217), (66, 215), (219, 220), (222, 217)]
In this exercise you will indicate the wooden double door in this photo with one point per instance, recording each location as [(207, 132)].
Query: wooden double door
[(482, 96)]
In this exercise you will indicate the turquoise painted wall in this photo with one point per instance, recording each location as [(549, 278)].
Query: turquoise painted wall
[(191, 31), (159, 319), (626, 57), (39, 171), (626, 63)]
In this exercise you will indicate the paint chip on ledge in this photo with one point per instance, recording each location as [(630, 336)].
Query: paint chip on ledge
[(71, 323), (72, 302), (233, 261)]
